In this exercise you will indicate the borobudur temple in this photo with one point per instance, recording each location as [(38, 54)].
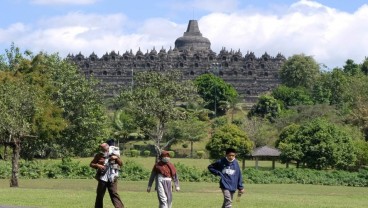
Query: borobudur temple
[(250, 75)]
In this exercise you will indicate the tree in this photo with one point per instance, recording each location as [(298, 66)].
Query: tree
[(70, 103), (154, 102), (17, 108), (82, 106), (351, 68), (266, 107), (292, 96), (123, 125), (229, 136), (364, 66), (260, 131), (191, 129), (299, 71), (318, 144), (27, 111), (215, 92)]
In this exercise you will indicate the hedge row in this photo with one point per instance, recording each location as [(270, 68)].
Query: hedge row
[(132, 171)]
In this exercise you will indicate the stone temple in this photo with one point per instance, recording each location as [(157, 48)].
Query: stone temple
[(250, 75)]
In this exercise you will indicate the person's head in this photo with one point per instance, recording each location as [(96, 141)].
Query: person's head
[(111, 142), (104, 147), (165, 156), (230, 154)]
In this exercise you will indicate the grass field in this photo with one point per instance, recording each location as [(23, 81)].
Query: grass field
[(62, 193)]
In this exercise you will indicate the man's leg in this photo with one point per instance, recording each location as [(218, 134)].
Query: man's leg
[(114, 196), (228, 198), (100, 193)]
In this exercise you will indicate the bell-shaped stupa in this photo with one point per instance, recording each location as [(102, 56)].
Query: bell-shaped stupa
[(192, 39)]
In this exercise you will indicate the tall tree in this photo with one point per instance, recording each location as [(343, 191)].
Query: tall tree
[(191, 129), (319, 144), (266, 107), (299, 71), (351, 68), (217, 94), (229, 136), (154, 102), (17, 108)]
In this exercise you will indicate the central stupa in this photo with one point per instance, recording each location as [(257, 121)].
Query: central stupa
[(192, 39)]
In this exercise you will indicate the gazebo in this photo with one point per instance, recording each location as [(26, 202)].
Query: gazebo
[(266, 152)]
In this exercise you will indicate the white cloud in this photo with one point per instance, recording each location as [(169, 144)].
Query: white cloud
[(74, 2), (330, 36)]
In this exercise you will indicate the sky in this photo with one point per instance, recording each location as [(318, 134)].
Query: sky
[(331, 31)]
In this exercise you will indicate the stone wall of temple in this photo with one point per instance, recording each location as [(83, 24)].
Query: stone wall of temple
[(250, 75)]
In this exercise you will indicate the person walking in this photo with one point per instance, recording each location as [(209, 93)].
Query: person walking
[(106, 163), (164, 173), (231, 176)]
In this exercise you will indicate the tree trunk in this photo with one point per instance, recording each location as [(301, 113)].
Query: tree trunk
[(5, 152), (243, 163), (191, 149), (15, 164)]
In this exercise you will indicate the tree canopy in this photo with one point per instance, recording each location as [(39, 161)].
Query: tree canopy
[(154, 102), (215, 91)]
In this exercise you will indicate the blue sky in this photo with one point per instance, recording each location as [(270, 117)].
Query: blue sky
[(331, 31)]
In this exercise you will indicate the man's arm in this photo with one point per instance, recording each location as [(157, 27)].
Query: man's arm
[(240, 180), (117, 160), (215, 168), (95, 163)]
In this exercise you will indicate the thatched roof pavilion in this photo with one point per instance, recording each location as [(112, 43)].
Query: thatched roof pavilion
[(266, 152)]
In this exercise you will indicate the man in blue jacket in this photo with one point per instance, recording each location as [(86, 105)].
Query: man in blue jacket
[(231, 176)]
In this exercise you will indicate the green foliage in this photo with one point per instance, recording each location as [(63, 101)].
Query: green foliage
[(351, 68), (131, 171), (200, 154), (266, 107), (146, 153), (306, 176), (134, 153), (215, 92), (332, 88), (154, 100), (292, 96), (68, 112), (172, 154), (318, 144), (260, 131), (123, 126), (228, 136), (299, 71)]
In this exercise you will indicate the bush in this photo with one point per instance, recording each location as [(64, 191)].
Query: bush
[(134, 153), (200, 154), (172, 154), (131, 171), (146, 153)]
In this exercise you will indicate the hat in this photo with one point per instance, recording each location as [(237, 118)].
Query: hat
[(165, 153)]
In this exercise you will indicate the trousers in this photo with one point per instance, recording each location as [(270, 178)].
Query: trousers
[(228, 198), (112, 189)]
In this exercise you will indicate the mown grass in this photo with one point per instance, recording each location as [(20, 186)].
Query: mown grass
[(80, 193)]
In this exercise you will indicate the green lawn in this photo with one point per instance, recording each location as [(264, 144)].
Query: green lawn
[(62, 193)]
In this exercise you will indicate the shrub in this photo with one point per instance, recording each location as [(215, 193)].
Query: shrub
[(131, 171), (172, 154), (146, 153), (200, 154), (134, 153)]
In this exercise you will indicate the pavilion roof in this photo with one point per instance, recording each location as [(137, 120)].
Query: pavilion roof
[(266, 151)]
